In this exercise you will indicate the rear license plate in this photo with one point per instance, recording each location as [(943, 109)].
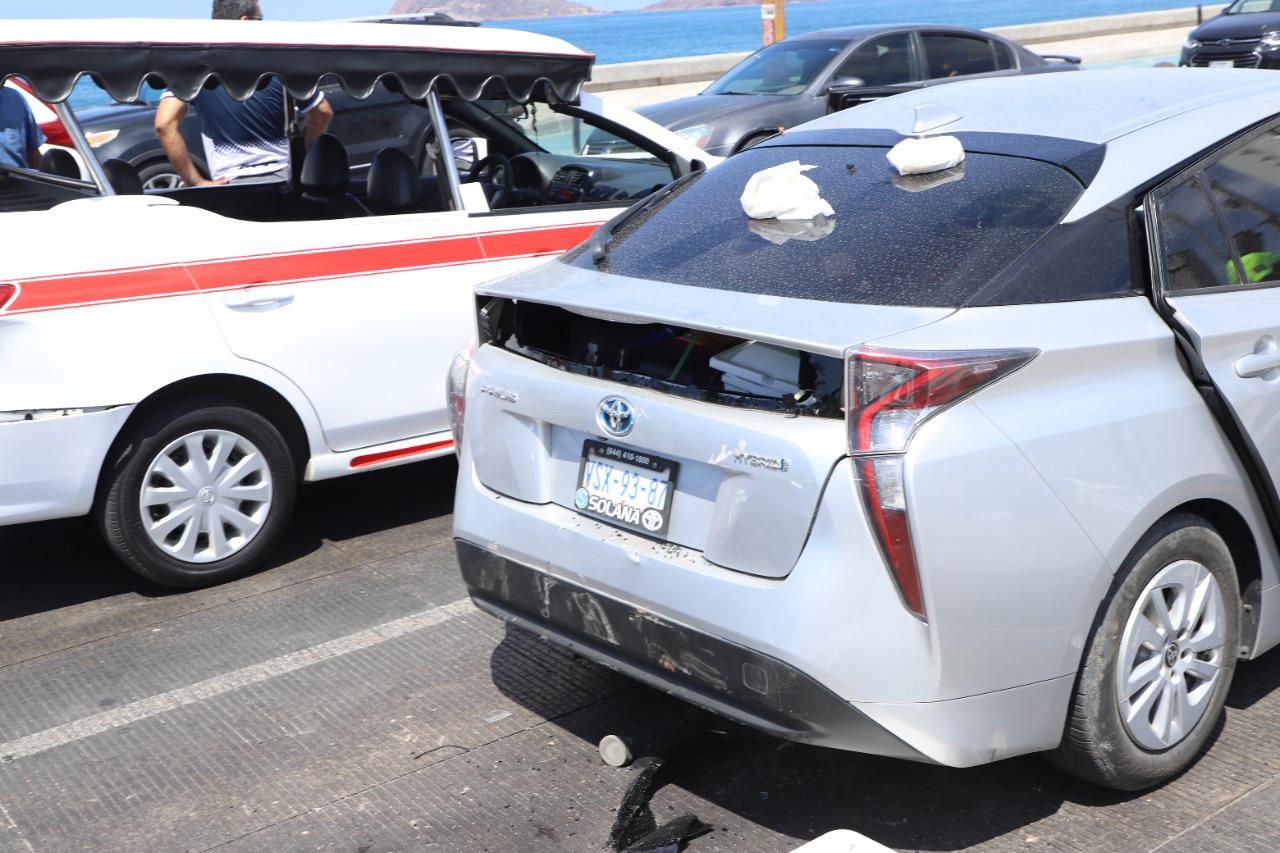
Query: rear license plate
[(629, 488), (1222, 63)]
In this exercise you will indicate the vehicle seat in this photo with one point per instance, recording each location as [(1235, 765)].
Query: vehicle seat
[(326, 178), (60, 162), (122, 177), (394, 184), (893, 67)]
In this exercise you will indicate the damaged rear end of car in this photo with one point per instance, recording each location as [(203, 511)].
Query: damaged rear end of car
[(695, 451)]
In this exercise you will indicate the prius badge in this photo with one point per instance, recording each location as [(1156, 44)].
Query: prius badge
[(616, 416)]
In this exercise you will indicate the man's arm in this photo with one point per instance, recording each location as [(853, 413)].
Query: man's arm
[(318, 119), (169, 116), (34, 158)]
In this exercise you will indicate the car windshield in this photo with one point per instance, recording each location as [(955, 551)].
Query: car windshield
[(787, 68), (931, 240), (1245, 7), (553, 132)]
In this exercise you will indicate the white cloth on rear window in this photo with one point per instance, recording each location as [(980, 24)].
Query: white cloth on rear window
[(783, 192), (922, 156)]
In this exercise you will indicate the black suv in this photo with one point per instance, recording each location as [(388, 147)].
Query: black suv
[(1245, 35), (127, 131)]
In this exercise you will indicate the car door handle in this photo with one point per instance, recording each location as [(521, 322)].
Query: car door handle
[(1264, 359), (262, 302)]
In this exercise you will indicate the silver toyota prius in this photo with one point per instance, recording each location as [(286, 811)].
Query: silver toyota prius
[(981, 463)]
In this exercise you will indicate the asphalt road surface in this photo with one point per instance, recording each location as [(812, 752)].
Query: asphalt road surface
[(349, 698)]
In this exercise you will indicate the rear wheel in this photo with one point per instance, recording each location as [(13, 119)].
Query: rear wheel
[(754, 140), (198, 495), (1158, 666), (159, 175)]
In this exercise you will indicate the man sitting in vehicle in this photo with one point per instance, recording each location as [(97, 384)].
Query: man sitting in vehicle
[(242, 139), (20, 136)]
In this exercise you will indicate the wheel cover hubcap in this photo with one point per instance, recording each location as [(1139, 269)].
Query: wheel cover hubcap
[(163, 181), (1171, 655), (206, 496)]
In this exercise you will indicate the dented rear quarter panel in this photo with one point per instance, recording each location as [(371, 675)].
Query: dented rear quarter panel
[(1109, 423)]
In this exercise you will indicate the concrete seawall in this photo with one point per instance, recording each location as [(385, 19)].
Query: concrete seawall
[(1105, 29)]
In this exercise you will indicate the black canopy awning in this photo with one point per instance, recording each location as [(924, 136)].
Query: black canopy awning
[(183, 56)]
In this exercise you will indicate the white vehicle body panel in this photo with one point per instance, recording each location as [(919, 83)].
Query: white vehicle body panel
[(49, 468)]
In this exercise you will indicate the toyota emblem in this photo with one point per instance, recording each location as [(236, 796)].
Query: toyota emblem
[(616, 416)]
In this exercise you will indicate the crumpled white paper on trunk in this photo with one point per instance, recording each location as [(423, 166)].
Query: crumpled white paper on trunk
[(783, 192)]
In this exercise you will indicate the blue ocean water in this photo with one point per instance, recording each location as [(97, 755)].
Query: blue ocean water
[(633, 36)]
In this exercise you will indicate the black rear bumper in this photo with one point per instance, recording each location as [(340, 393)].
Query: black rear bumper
[(723, 677)]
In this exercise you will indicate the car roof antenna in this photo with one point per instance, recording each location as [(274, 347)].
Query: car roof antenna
[(931, 117)]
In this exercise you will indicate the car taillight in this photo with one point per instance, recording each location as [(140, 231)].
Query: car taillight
[(456, 392), (56, 134), (890, 393), (7, 294)]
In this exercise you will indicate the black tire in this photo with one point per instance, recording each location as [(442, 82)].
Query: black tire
[(1096, 745), (159, 171), (119, 512), (754, 139)]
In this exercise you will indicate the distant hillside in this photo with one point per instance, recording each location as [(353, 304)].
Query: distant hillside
[(668, 5), (495, 10)]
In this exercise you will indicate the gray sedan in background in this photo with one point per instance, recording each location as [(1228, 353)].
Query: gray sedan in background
[(805, 77)]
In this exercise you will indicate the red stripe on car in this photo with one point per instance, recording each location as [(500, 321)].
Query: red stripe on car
[(72, 290), (402, 453), (126, 285), (334, 264)]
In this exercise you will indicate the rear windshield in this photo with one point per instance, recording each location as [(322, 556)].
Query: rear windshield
[(931, 240)]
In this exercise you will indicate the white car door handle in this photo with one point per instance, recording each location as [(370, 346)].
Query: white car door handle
[(1257, 364), (261, 302)]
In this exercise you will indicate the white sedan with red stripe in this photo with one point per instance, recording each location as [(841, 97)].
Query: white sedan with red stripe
[(175, 363)]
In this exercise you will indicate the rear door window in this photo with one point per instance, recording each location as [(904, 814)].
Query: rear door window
[(932, 240), (885, 61), (1196, 254), (1004, 56), (1246, 187), (957, 56)]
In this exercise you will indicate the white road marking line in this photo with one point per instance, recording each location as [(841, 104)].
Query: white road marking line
[(87, 727)]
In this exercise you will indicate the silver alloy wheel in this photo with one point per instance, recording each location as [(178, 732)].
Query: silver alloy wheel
[(1171, 655), (163, 181), (206, 496)]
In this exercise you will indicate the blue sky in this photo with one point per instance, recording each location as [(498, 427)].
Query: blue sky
[(301, 10)]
